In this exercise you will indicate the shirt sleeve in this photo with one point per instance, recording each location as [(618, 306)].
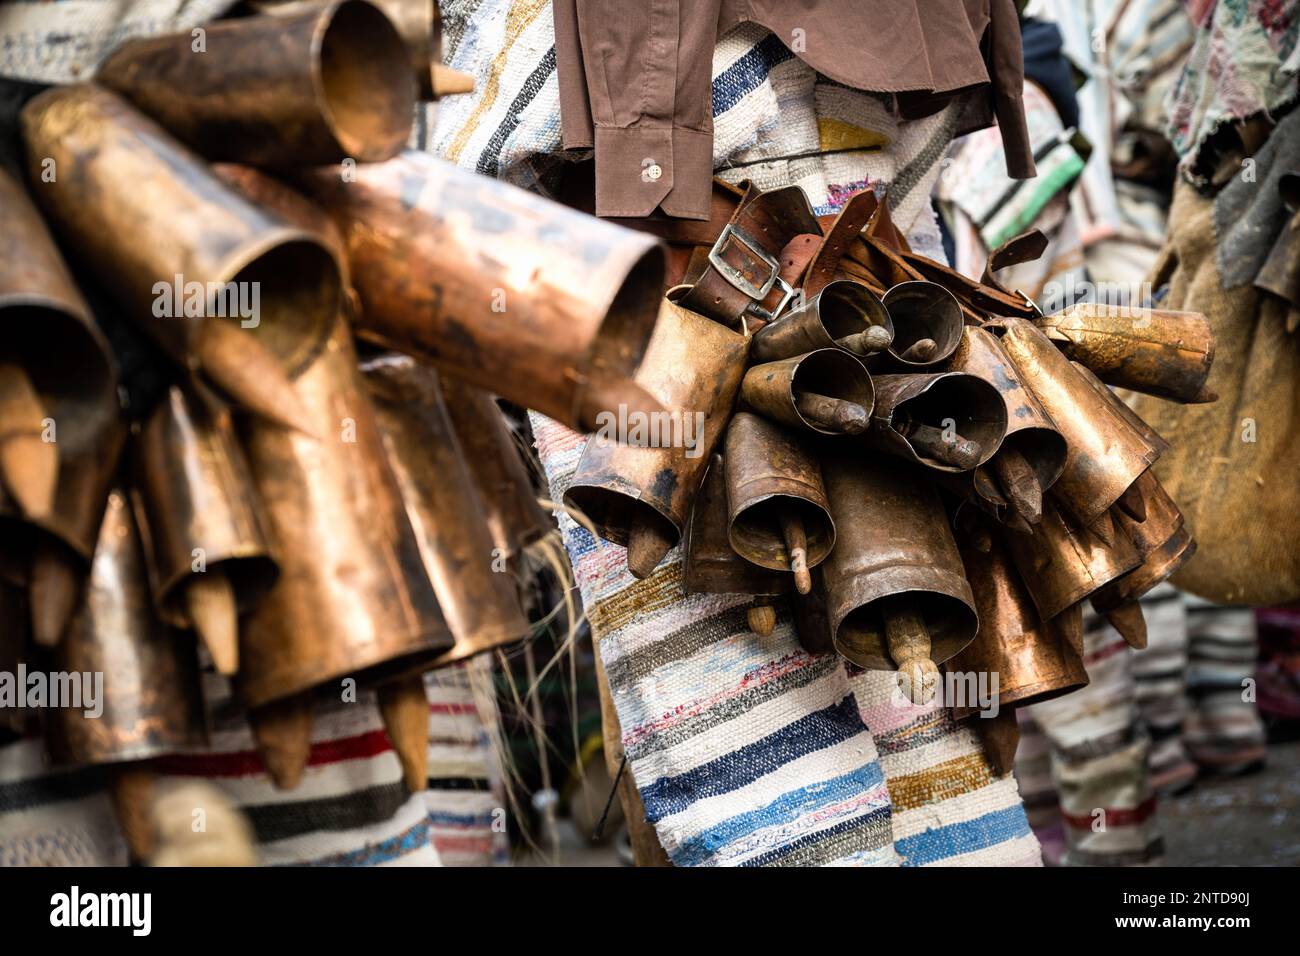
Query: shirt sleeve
[(636, 86), (1006, 64)]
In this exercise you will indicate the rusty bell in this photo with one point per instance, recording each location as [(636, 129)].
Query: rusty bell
[(515, 519), (711, 564), (946, 421), (1161, 538), (152, 703), (477, 596), (927, 325), (893, 542), (318, 84), (776, 502), (1105, 452), (640, 495), (199, 515), (1157, 351), (1034, 660), (353, 597), (197, 252), (827, 391), (50, 330), (519, 295), (1063, 562), (841, 315)]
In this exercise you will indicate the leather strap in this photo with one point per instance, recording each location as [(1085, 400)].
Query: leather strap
[(1025, 247), (741, 272), (847, 226)]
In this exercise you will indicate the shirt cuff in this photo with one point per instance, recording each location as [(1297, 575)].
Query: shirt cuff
[(1009, 109), (641, 169)]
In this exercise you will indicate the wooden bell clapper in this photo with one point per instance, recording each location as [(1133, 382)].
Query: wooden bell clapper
[(29, 465), (404, 707), (954, 451), (796, 546), (909, 646), (1020, 486), (922, 350), (832, 414), (647, 543), (761, 619), (877, 338), (212, 610), (249, 374), (1133, 504)]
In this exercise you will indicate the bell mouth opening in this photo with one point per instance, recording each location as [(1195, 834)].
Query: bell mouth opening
[(964, 404), (757, 537), (367, 82), (923, 310), (950, 622), (629, 322), (835, 374), (613, 513), (289, 297), (71, 373), (847, 307), (1043, 448), (251, 578)]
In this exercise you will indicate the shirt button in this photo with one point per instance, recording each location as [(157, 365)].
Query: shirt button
[(654, 172)]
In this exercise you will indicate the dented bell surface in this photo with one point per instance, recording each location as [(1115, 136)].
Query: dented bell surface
[(711, 564), (197, 508), (693, 365), (1063, 562), (320, 83), (1031, 437), (841, 315), (477, 598), (1105, 452), (782, 391), (1033, 659), (1157, 351), (927, 325), (893, 541), (1162, 539), (353, 599), (514, 293), (946, 421), (48, 327), (514, 517), (774, 478), (151, 698), (178, 248)]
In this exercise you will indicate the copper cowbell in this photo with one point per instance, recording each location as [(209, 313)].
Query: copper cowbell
[(204, 536), (1162, 353), (475, 590), (779, 516), (640, 496), (894, 545), (827, 392), (711, 565), (946, 421), (353, 599), (842, 315), (1162, 539), (1033, 659)]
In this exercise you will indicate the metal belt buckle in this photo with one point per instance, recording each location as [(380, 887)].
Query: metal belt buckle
[(733, 275), (787, 293)]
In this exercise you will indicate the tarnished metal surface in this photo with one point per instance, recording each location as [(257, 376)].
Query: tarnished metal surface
[(1162, 539), (841, 309), (48, 327), (711, 565), (1160, 352), (419, 23), (317, 84), (956, 402), (893, 539), (770, 473), (922, 310), (1105, 453), (771, 388), (195, 502), (1034, 660), (475, 589), (692, 365), (514, 518), (519, 295), (1062, 563), (175, 220), (151, 696), (353, 598)]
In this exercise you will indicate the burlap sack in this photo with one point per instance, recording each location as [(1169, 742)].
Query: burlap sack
[(1234, 467)]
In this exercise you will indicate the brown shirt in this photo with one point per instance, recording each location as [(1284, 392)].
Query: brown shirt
[(635, 79)]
